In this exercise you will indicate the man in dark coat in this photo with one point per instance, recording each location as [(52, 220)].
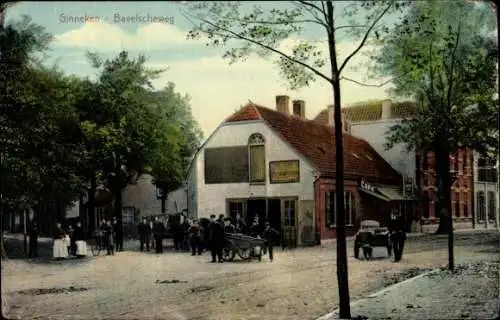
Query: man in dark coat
[(217, 239), (144, 234), (118, 231), (177, 232), (240, 224), (108, 238), (228, 226), (158, 232), (33, 234), (270, 235), (184, 236), (398, 236), (196, 233)]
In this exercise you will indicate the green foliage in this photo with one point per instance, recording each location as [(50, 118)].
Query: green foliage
[(59, 132), (443, 56), (245, 31)]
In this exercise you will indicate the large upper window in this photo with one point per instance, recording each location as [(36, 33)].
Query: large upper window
[(257, 158)]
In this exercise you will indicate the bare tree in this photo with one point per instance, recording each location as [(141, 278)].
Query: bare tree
[(262, 31)]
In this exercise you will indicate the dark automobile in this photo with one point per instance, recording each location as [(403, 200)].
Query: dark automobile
[(370, 235)]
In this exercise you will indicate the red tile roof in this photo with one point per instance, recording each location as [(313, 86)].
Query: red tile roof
[(316, 142)]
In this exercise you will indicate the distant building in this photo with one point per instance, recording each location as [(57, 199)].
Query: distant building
[(371, 121), (486, 196)]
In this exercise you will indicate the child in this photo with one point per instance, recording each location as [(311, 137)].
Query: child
[(269, 235), (108, 236)]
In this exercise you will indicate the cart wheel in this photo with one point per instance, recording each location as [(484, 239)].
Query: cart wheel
[(244, 254), (356, 250), (228, 253), (367, 253)]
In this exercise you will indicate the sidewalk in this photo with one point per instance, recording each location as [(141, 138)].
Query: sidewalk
[(470, 292)]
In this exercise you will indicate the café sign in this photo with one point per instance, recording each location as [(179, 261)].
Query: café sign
[(366, 186), (284, 171)]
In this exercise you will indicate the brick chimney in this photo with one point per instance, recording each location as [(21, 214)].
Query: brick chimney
[(299, 108), (282, 104), (386, 109)]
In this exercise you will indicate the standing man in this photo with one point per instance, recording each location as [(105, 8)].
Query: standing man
[(118, 231), (108, 236), (158, 232), (240, 224), (144, 234), (398, 236), (217, 239), (33, 238), (195, 231), (269, 235)]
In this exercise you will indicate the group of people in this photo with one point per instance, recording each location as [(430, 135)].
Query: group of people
[(68, 242), (110, 233), (196, 236)]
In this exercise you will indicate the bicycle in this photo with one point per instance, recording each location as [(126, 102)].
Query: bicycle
[(97, 244)]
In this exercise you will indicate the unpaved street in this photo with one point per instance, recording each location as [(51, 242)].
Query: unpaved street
[(300, 284)]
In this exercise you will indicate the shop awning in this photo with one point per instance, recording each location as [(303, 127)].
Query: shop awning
[(387, 194), (394, 194), (376, 194)]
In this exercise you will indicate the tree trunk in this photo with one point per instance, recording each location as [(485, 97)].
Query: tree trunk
[(342, 274), (163, 202), (117, 188), (444, 192)]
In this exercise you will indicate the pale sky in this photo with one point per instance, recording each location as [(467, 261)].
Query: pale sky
[(216, 88)]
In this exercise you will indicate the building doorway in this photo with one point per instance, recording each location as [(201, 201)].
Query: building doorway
[(274, 216), (256, 207), (289, 222)]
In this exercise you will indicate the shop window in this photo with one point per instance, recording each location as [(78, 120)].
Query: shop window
[(290, 216), (235, 209), (465, 204), (330, 212), (457, 204), (257, 157), (349, 207)]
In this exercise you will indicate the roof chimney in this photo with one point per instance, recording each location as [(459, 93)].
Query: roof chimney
[(386, 109), (331, 112), (299, 108), (282, 103)]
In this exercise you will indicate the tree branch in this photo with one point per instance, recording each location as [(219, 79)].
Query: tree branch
[(363, 41), (349, 26), (311, 5), (264, 22), (313, 10), (237, 36), (365, 84)]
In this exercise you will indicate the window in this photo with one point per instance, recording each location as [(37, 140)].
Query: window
[(289, 213), (349, 207), (257, 157), (457, 204), (330, 208), (235, 208), (481, 205), (491, 205), (128, 216), (465, 204)]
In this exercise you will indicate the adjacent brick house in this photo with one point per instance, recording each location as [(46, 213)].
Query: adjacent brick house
[(371, 120)]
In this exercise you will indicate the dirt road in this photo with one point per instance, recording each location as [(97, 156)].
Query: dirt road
[(300, 284)]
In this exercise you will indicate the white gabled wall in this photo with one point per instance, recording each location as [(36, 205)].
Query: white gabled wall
[(211, 198), (375, 133)]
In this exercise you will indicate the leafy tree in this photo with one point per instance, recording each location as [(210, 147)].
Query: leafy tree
[(444, 56), (261, 31), (36, 120), (178, 137)]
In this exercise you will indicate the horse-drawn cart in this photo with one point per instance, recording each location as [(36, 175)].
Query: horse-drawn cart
[(244, 246)]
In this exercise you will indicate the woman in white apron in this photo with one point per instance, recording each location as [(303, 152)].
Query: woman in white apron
[(59, 248), (80, 240)]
